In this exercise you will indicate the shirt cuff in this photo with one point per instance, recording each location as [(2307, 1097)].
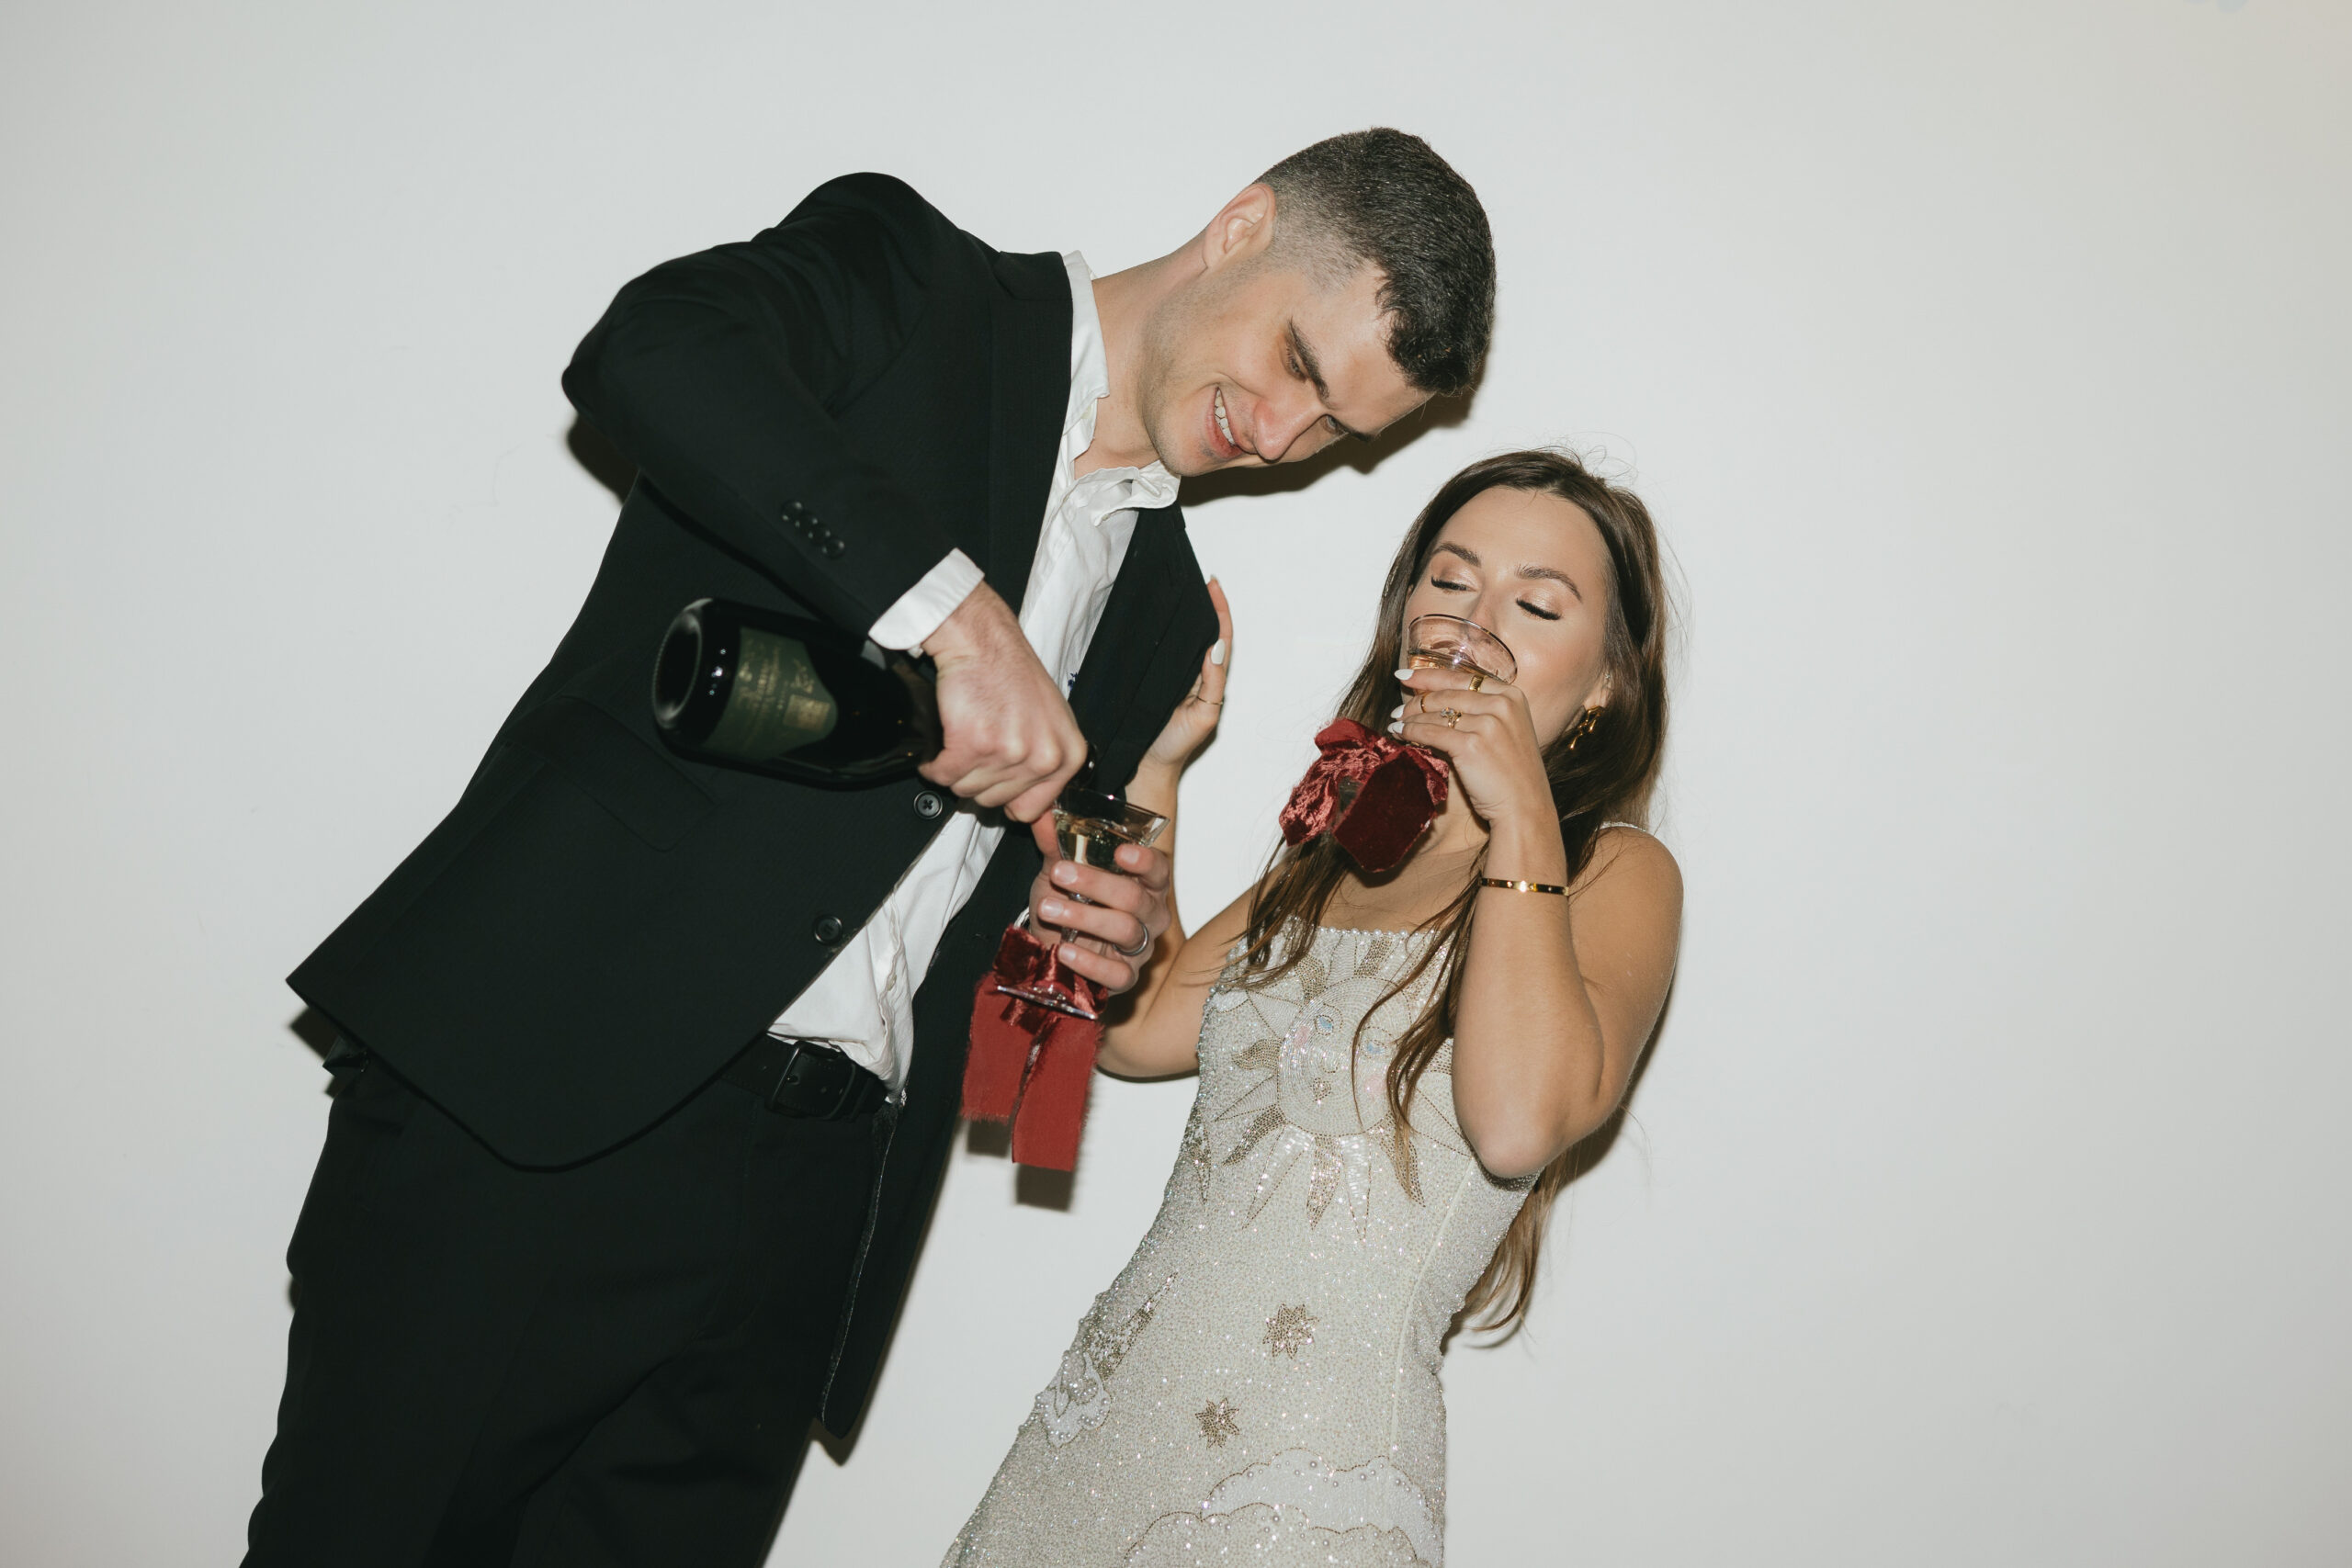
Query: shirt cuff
[(921, 609)]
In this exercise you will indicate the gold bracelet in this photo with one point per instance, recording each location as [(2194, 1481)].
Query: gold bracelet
[(1522, 886)]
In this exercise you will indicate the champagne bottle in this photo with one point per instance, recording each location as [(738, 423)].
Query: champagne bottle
[(784, 694)]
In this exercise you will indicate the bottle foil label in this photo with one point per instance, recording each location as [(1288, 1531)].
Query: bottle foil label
[(777, 704)]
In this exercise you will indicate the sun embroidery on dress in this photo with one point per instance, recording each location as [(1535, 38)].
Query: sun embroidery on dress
[(1316, 1091)]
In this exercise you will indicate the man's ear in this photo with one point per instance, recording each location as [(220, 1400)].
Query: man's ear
[(1243, 228)]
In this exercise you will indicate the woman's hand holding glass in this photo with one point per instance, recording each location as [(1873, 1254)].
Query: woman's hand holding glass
[(1483, 727), (1111, 918), (1115, 919)]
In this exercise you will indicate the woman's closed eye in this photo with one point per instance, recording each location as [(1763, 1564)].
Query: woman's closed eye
[(1538, 611), (1449, 585)]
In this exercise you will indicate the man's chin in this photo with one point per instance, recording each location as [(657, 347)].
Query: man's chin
[(1186, 460), (1194, 461), (1190, 458), (1193, 467)]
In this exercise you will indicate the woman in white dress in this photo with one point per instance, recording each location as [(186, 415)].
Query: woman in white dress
[(1394, 1070)]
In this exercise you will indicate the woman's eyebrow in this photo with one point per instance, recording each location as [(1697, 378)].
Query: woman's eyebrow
[(1543, 574), (1549, 575)]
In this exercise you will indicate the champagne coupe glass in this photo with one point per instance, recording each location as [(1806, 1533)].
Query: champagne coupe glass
[(1091, 824), (1449, 642)]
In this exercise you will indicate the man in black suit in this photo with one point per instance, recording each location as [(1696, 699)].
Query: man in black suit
[(648, 1069)]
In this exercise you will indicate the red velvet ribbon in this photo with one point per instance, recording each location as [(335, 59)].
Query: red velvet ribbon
[(1374, 795), (1029, 1065), (1032, 1064)]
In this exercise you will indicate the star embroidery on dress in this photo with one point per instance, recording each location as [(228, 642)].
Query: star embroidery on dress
[(1218, 1422), (1290, 1330)]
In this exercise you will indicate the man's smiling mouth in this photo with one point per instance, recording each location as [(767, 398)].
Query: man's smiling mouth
[(1223, 426)]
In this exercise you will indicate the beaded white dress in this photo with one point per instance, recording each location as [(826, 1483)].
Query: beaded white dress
[(1259, 1384)]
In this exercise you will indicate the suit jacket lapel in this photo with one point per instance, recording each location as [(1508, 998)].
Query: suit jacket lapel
[(1029, 391)]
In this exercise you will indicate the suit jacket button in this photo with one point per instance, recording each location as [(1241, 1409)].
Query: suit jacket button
[(827, 928), (928, 805)]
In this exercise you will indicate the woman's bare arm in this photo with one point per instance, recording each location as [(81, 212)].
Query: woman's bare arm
[(1559, 994), (1558, 997), (1155, 1031)]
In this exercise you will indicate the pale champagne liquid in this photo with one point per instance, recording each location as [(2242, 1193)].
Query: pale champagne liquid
[(1447, 661), (1091, 840)]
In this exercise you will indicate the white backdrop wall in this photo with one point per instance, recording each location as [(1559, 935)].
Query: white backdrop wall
[(1984, 363)]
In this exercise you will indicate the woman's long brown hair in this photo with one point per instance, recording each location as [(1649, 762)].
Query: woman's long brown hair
[(1605, 777)]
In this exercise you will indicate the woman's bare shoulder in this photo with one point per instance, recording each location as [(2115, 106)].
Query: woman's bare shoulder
[(1207, 946), (1630, 860)]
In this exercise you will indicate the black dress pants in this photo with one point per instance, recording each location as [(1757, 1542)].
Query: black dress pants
[(614, 1363)]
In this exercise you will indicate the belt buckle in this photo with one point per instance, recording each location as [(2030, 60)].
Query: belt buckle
[(811, 1053)]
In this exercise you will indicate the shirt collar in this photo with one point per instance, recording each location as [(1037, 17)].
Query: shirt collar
[(1090, 383)]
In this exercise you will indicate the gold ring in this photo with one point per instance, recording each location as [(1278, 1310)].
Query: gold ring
[(1452, 719), (1477, 679), (1425, 700)]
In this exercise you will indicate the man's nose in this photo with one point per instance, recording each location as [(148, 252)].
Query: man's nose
[(1281, 423)]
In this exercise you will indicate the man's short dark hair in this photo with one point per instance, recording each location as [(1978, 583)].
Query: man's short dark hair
[(1382, 197)]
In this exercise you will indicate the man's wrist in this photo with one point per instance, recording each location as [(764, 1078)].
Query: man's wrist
[(978, 625)]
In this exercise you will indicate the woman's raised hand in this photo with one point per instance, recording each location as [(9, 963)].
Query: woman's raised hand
[(1489, 738), (1196, 719), (1112, 920)]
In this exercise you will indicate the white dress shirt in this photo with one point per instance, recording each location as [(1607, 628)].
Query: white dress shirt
[(864, 1000)]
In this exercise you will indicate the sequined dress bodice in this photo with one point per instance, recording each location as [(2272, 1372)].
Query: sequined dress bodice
[(1259, 1384)]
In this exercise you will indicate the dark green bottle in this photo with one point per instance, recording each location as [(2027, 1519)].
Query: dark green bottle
[(784, 694)]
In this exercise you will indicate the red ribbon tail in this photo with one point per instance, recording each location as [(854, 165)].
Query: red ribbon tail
[(1004, 1029), (999, 1056), (1029, 1064), (1053, 1104)]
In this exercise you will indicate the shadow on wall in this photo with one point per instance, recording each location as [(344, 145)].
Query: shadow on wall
[(312, 1028), (600, 457), (1032, 1187)]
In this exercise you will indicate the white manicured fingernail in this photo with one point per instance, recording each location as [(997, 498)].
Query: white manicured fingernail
[(1216, 651), (1405, 673), (1396, 711), (1395, 729)]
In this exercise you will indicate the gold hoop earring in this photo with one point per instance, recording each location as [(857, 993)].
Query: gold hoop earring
[(1584, 726)]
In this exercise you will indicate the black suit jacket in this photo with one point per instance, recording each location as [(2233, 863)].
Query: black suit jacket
[(818, 415)]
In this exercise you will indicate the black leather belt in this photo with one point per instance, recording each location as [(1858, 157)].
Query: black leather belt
[(800, 1078)]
